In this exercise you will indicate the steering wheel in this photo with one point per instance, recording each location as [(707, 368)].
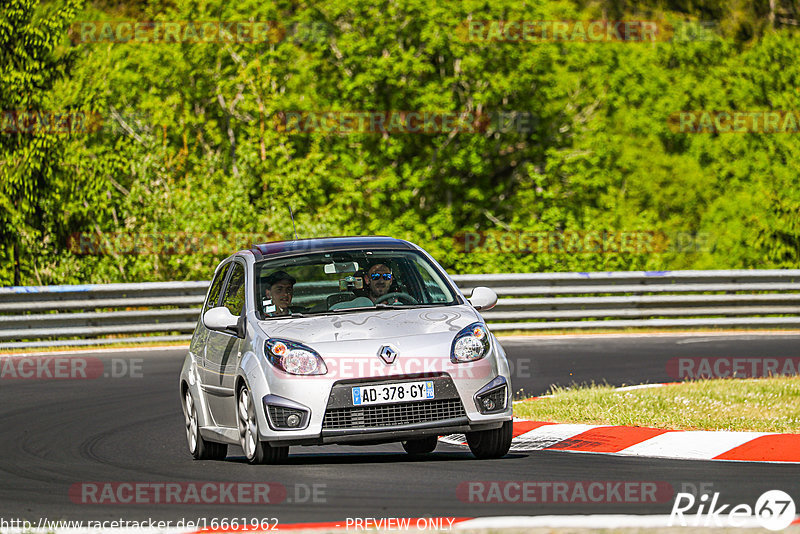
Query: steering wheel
[(399, 295)]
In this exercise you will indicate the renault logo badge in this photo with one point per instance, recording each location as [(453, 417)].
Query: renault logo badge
[(388, 354)]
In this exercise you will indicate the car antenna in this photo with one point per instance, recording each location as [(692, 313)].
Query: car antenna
[(293, 226)]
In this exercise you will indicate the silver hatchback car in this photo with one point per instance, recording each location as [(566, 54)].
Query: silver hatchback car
[(351, 340)]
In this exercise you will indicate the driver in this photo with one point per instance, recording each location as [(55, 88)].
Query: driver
[(378, 281), (278, 293)]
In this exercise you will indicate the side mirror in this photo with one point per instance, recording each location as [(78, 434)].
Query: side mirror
[(483, 298), (222, 320)]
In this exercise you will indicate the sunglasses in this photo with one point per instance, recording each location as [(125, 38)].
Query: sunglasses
[(378, 276)]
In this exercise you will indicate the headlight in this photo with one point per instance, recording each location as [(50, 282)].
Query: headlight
[(294, 358), (471, 344)]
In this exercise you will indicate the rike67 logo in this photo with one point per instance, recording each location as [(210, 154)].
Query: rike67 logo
[(773, 510)]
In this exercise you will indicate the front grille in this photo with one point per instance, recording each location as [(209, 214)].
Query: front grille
[(278, 415), (408, 413), (499, 397)]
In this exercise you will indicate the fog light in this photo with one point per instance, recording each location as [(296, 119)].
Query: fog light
[(493, 397), (294, 420)]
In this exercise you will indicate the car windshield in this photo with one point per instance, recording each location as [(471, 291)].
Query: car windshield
[(347, 281)]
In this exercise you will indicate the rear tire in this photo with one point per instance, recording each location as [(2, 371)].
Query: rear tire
[(495, 443), (420, 446), (255, 450), (200, 448)]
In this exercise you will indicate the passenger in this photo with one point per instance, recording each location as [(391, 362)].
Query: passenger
[(278, 293)]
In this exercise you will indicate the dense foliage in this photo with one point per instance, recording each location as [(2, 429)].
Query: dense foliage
[(191, 158)]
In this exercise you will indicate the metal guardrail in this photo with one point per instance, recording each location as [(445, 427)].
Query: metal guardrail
[(38, 316)]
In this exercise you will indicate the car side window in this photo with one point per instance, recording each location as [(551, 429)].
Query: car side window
[(234, 292), (216, 286)]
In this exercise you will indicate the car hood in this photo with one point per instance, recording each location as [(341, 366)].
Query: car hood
[(372, 325), (351, 344)]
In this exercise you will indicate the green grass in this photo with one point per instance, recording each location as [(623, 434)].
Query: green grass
[(760, 405)]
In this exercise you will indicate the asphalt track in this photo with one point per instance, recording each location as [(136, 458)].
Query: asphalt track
[(58, 433)]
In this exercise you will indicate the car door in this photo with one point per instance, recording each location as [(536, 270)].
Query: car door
[(199, 343), (223, 351)]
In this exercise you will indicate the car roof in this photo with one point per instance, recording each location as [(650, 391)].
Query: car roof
[(321, 244)]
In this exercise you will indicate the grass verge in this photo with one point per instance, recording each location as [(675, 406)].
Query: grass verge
[(758, 405)]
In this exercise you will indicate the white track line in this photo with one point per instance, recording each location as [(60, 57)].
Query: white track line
[(642, 386), (96, 351), (731, 333)]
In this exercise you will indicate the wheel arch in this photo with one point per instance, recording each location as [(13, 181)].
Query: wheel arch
[(237, 385)]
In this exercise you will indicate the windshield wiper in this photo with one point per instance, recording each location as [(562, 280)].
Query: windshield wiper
[(293, 315), (379, 306)]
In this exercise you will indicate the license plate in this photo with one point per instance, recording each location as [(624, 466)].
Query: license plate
[(393, 393)]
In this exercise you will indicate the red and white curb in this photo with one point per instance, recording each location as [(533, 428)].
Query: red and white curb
[(651, 442)]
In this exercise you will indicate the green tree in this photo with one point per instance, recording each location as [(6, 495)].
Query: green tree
[(31, 62), (192, 142)]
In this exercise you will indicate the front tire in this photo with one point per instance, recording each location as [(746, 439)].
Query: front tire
[(199, 447), (420, 446), (255, 450), (495, 443)]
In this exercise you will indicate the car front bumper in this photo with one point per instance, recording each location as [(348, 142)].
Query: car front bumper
[(331, 417)]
